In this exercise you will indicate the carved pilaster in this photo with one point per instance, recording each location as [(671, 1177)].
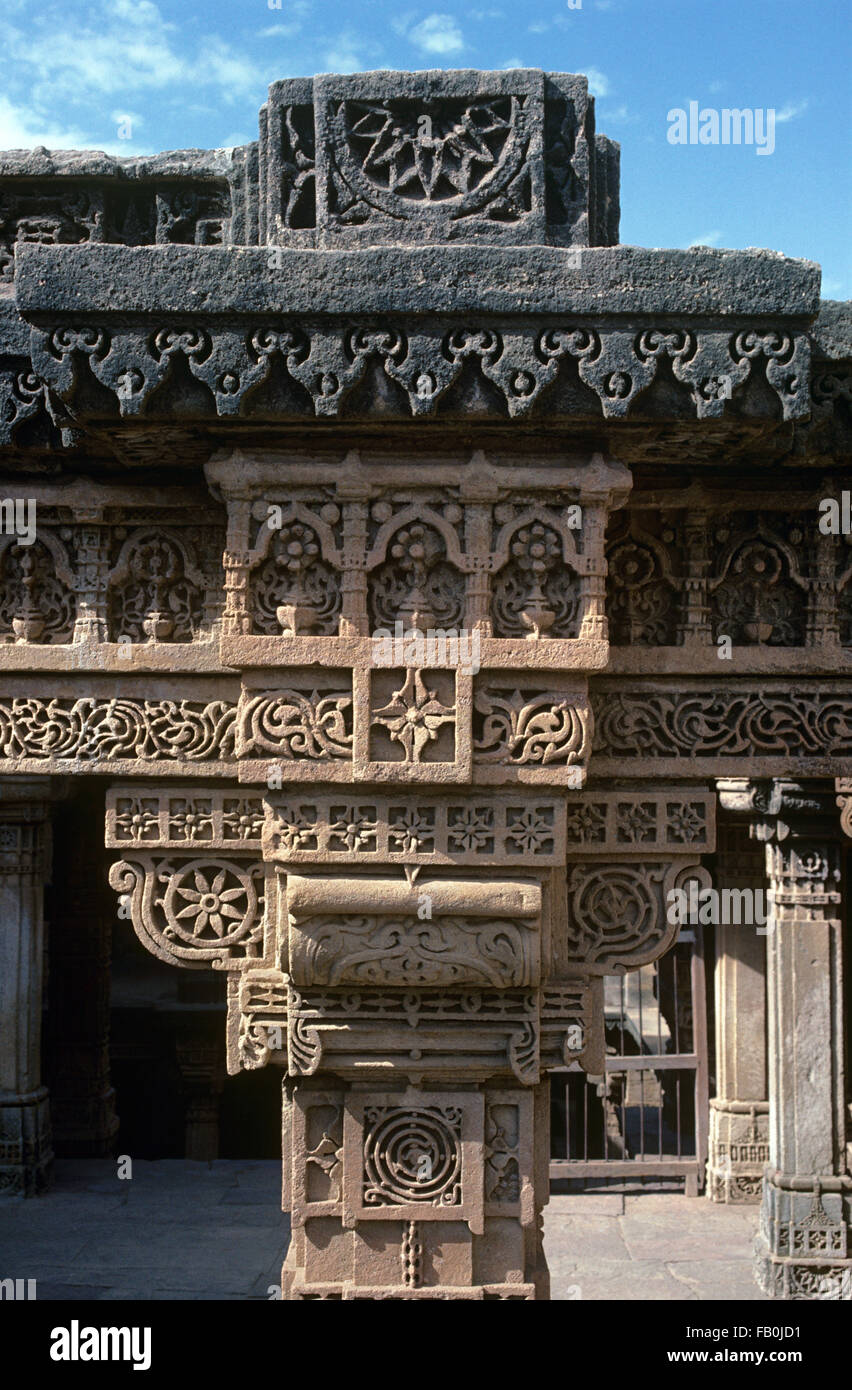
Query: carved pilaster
[(739, 1112), (694, 629), (802, 1249)]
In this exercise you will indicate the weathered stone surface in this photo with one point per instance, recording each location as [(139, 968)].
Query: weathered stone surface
[(342, 364)]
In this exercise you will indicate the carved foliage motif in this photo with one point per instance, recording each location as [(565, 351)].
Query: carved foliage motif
[(310, 725), (458, 158), (37, 601), (55, 212), (416, 584), (452, 830), (535, 593), (156, 591), (618, 915), (739, 722), (641, 590), (757, 590), (528, 729), (759, 578), (418, 721), (294, 589), (394, 950), (96, 730)]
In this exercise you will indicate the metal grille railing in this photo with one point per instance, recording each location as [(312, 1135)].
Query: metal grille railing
[(647, 1115)]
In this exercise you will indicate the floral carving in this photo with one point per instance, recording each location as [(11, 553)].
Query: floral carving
[(756, 601), (137, 818), (735, 723), (535, 594), (156, 594), (641, 603), (471, 828), (194, 912), (291, 725), (294, 590), (411, 830), (414, 717), (191, 820), (37, 603), (92, 730), (539, 729), (392, 950), (616, 916), (416, 585), (352, 828)]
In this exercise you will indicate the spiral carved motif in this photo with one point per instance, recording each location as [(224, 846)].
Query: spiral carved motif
[(413, 1156)]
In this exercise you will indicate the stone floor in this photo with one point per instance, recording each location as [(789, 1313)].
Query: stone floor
[(182, 1230)]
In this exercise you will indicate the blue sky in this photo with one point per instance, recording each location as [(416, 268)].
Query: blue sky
[(194, 73)]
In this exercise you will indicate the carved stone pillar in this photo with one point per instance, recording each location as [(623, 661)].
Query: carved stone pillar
[(83, 1112), (739, 1112), (802, 1250), (26, 1149)]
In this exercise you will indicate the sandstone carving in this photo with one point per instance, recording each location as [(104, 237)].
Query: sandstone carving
[(423, 569)]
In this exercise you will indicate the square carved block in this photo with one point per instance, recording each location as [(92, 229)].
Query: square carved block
[(414, 1156), (432, 155)]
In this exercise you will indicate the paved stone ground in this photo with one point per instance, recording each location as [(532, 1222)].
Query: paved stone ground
[(652, 1245), (183, 1230)]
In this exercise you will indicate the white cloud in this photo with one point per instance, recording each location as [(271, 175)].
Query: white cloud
[(708, 239), (237, 75), (24, 129), (280, 31), (790, 112), (123, 114), (126, 47), (345, 55), (831, 287), (540, 27), (617, 113), (598, 83), (237, 137), (512, 63), (439, 34), (401, 23)]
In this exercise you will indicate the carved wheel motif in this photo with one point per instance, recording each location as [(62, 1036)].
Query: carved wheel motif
[(203, 905)]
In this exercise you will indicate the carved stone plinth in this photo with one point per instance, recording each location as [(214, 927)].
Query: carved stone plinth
[(418, 1192)]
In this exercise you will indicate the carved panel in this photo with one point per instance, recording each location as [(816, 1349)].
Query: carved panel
[(414, 1156), (415, 830), (194, 912)]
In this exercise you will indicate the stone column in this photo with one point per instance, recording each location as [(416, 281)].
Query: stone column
[(739, 1112), (26, 1150), (80, 947), (802, 1248)]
